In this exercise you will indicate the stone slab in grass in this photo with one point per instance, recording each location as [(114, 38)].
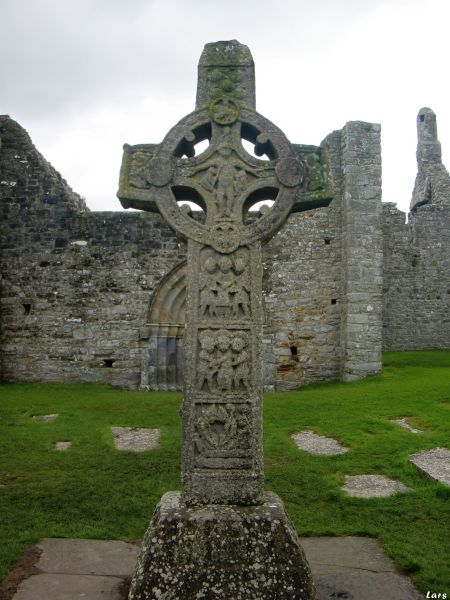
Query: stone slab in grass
[(372, 486), (433, 463), (62, 446), (135, 439), (404, 423), (317, 444), (47, 418)]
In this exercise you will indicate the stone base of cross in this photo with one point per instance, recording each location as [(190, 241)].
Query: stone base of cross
[(221, 552), (223, 537)]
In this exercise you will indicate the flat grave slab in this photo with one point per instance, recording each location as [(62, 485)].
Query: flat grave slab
[(404, 423), (135, 439), (434, 463), (62, 446), (47, 418), (319, 445), (372, 486)]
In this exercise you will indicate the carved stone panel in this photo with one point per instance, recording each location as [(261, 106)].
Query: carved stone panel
[(225, 285), (224, 361), (222, 436), (222, 460)]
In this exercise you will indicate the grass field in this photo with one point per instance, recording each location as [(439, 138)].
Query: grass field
[(94, 491)]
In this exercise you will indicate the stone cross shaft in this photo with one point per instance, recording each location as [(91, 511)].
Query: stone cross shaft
[(222, 456)]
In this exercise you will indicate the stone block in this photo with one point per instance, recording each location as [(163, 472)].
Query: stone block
[(215, 551), (45, 586)]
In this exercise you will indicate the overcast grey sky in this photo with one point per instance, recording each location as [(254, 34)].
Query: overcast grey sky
[(85, 76)]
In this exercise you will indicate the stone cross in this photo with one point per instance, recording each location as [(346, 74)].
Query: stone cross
[(222, 456), (223, 537)]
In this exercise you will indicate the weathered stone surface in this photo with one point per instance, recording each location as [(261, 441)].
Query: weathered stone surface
[(417, 253), (318, 444), (87, 557), (347, 567), (51, 586), (433, 463), (432, 184), (62, 446), (46, 418), (355, 567), (222, 453), (361, 331), (360, 585), (219, 552), (404, 423), (79, 287), (222, 416), (372, 486), (135, 439)]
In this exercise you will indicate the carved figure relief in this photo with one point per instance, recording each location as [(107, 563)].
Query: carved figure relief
[(223, 361), (138, 170), (225, 176), (225, 286)]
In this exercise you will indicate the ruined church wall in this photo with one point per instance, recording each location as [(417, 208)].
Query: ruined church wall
[(303, 300), (87, 300), (77, 285), (416, 287), (302, 287), (362, 250)]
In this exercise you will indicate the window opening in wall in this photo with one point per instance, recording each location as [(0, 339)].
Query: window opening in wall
[(327, 241), (60, 243), (422, 118), (108, 362), (333, 301), (27, 307), (294, 352)]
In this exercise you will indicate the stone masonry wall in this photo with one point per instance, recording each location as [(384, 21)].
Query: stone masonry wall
[(416, 294), (416, 287), (76, 290), (361, 327), (302, 292), (77, 286)]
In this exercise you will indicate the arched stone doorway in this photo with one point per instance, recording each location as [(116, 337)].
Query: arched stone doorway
[(162, 337)]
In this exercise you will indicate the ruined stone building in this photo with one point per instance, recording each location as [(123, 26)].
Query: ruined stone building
[(100, 296)]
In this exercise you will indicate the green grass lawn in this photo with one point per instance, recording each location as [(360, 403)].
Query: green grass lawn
[(94, 491)]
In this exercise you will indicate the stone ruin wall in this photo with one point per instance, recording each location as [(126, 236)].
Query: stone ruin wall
[(416, 287), (416, 294), (75, 284), (80, 289)]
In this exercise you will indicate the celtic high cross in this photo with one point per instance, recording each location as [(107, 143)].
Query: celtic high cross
[(222, 455)]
